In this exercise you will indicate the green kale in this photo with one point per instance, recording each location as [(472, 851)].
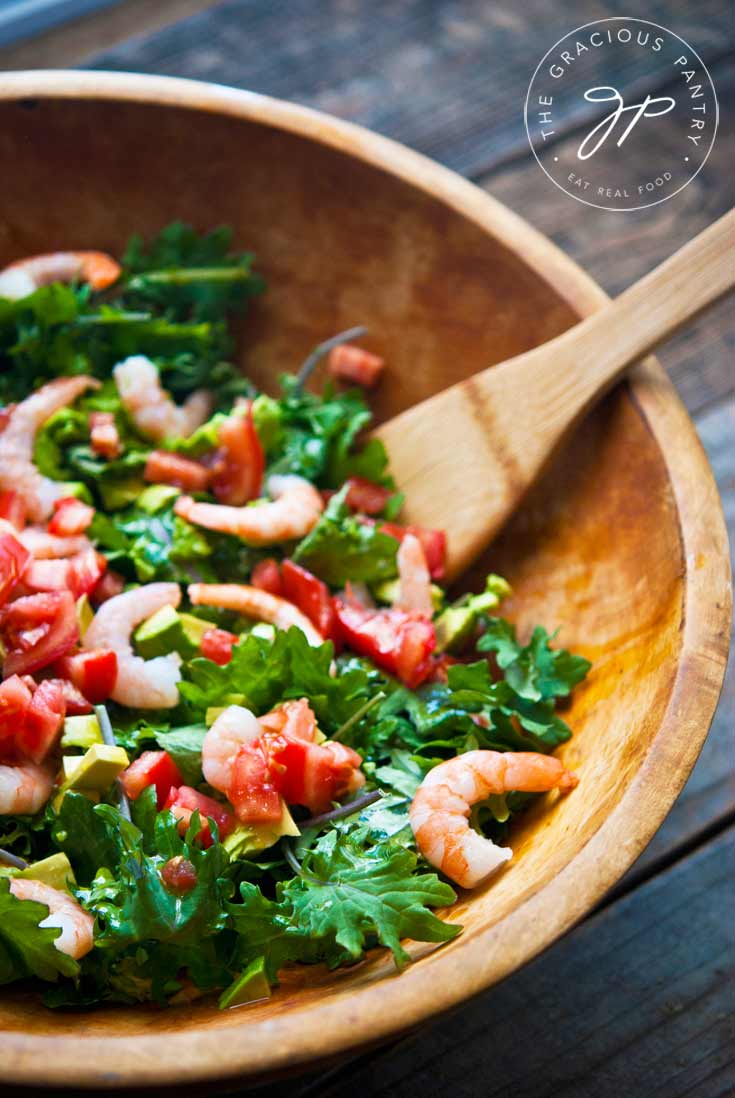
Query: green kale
[(535, 671), (341, 548)]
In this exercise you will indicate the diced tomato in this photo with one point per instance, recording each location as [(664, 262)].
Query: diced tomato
[(107, 587), (217, 645), (401, 642), (185, 801), (15, 697), (267, 576), (239, 473), (292, 718), (152, 768), (94, 673), (43, 720), (14, 560), (439, 668), (433, 542), (103, 435), (252, 792), (71, 516), (36, 630), (162, 467), (312, 597), (351, 363), (179, 875), (311, 774), (366, 496), (78, 574), (13, 509), (76, 704)]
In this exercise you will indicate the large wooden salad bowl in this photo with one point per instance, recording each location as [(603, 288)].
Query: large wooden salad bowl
[(622, 545)]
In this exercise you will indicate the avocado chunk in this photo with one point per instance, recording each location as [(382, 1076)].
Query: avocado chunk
[(455, 625), (96, 769), (155, 497), (84, 613), (250, 986), (81, 732), (163, 633), (388, 592), (263, 630), (248, 839), (55, 871), (117, 494), (194, 628)]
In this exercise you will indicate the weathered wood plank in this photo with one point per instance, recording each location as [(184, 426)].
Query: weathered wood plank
[(619, 248), (448, 77), (636, 1001)]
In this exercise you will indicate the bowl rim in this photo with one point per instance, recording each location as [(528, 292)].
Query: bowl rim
[(358, 1017)]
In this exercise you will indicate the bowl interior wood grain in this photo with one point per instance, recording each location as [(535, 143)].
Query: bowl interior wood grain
[(622, 545)]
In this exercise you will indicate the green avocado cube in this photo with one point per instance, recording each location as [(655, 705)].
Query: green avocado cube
[(155, 497), (55, 871), (248, 839), (81, 732), (117, 494), (454, 626), (97, 769), (162, 633), (194, 628), (84, 613), (388, 592), (250, 986)]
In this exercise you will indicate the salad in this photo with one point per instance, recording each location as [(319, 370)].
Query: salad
[(242, 723)]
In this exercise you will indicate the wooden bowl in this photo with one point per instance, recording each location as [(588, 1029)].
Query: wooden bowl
[(623, 545)]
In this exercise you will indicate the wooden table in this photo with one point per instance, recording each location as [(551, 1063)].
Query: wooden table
[(637, 1001)]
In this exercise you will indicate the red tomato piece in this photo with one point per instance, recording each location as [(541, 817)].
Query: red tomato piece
[(15, 697), (179, 875), (433, 543), (14, 560), (366, 496), (401, 642), (76, 704), (13, 509), (162, 467), (43, 720), (239, 473), (107, 587), (152, 768), (267, 576), (71, 516), (311, 596), (103, 435), (78, 574), (292, 718), (252, 793), (217, 645), (36, 630), (93, 673), (311, 774), (351, 363), (185, 801)]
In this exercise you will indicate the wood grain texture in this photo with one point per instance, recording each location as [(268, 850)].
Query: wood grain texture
[(631, 498), (511, 417), (448, 77)]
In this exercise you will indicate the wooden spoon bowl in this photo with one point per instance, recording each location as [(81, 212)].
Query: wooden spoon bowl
[(622, 544)]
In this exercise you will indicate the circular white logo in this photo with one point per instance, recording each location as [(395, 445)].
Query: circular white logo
[(614, 159)]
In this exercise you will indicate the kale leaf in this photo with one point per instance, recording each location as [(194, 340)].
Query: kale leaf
[(341, 548)]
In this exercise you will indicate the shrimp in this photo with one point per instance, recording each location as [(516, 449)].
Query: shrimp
[(292, 513), (24, 788), (440, 809), (24, 276), (151, 408), (234, 728), (142, 684), (414, 578), (77, 925), (17, 471), (44, 546), (254, 603)]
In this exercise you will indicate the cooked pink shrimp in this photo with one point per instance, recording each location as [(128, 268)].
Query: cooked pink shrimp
[(24, 788), (254, 603), (17, 471), (414, 577), (142, 684), (151, 408), (77, 925), (291, 514), (44, 546), (440, 809), (234, 727), (24, 276)]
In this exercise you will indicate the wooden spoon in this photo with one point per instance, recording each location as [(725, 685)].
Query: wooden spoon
[(515, 413)]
